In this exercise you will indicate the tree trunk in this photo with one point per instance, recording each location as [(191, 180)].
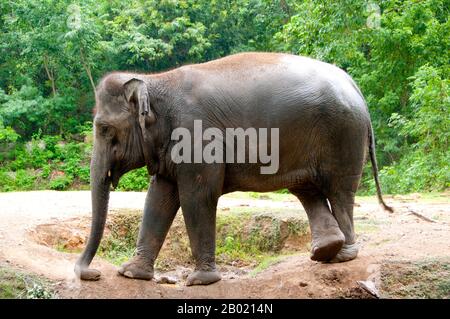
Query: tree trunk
[(50, 75), (87, 69)]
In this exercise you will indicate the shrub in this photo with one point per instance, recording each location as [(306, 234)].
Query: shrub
[(34, 164), (60, 183), (424, 165), (6, 180), (136, 180)]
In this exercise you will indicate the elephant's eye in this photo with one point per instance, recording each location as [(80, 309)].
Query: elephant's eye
[(107, 131), (114, 140)]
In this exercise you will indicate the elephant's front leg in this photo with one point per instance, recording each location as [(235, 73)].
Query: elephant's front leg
[(161, 206), (198, 197)]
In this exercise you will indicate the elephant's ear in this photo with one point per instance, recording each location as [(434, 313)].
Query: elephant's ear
[(136, 90)]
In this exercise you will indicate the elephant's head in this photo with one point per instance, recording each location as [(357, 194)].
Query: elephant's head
[(122, 115)]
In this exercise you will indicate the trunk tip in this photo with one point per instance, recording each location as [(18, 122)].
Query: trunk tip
[(85, 273), (387, 208)]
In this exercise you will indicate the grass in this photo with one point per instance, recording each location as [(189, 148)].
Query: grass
[(253, 235), (266, 263), (19, 285), (423, 279), (273, 196), (119, 244)]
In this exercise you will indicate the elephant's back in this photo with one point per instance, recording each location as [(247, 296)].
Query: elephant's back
[(240, 61), (250, 85), (321, 80)]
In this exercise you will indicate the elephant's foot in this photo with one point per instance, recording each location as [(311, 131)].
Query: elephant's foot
[(202, 277), (347, 252), (205, 273), (137, 268), (85, 273), (90, 274), (327, 246)]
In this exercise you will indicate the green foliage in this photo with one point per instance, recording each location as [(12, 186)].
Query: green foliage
[(242, 235), (119, 245), (46, 162), (16, 284), (52, 54), (24, 179), (38, 291), (28, 112), (266, 263), (137, 180), (425, 164), (7, 134), (429, 123), (60, 183)]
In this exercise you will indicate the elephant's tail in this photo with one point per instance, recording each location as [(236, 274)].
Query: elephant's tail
[(373, 160)]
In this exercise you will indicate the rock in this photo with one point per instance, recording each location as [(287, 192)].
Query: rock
[(167, 280), (74, 242), (183, 272), (369, 286)]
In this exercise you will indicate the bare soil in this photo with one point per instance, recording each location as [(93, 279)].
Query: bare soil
[(418, 231)]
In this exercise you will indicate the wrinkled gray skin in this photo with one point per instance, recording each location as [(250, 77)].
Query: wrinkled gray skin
[(325, 134)]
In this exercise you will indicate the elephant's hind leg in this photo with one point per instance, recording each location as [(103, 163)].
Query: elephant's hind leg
[(327, 238), (342, 202)]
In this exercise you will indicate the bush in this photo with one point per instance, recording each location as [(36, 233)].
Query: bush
[(24, 180), (7, 180), (60, 183), (52, 115), (424, 165), (137, 180), (45, 162), (16, 284)]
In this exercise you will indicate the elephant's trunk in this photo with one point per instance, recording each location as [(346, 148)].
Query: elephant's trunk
[(100, 184)]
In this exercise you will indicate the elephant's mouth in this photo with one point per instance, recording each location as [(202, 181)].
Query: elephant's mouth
[(114, 175)]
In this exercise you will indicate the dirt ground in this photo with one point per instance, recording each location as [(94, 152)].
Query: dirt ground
[(418, 230)]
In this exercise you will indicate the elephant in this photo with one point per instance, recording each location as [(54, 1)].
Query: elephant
[(325, 134)]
